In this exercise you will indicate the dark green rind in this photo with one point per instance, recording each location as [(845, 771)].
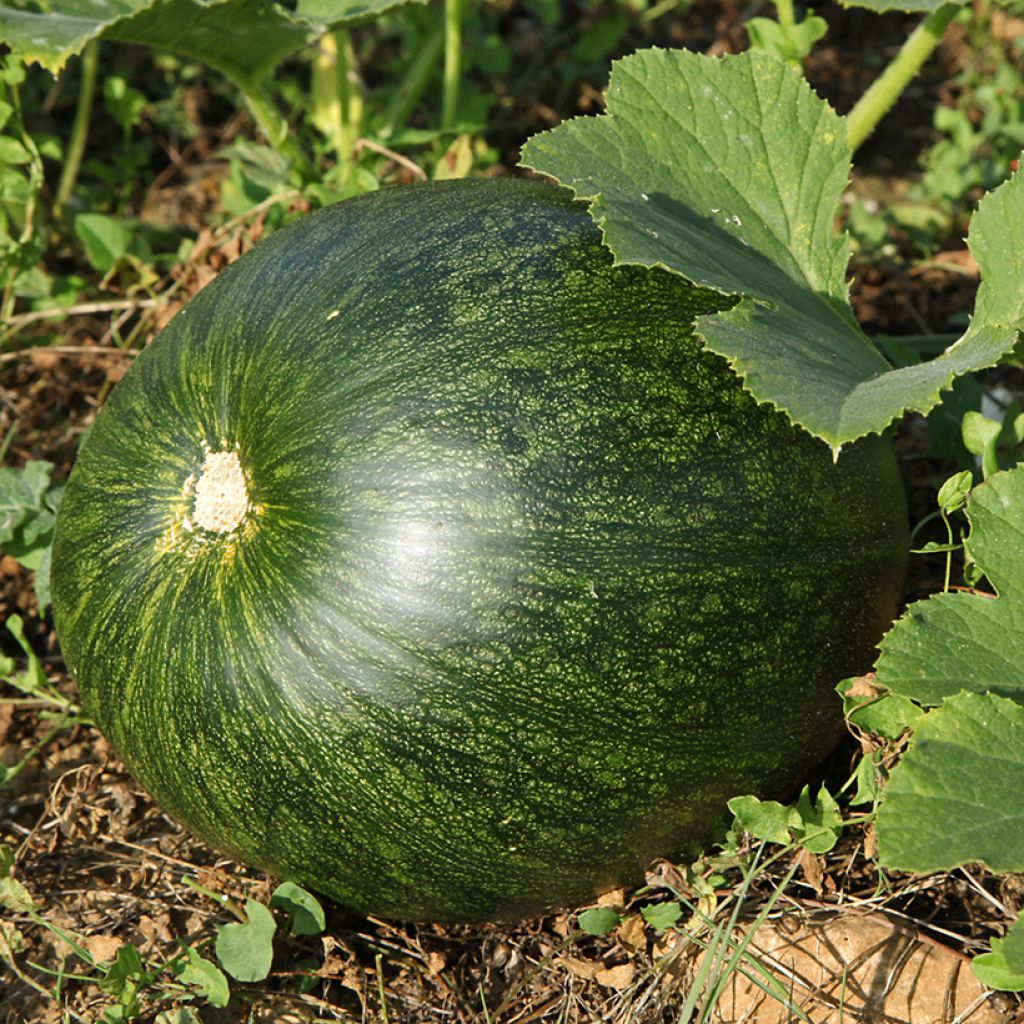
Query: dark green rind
[(533, 586)]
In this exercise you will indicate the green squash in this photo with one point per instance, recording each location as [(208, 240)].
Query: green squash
[(426, 559)]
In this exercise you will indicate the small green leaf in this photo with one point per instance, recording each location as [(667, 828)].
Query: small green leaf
[(1013, 425), (13, 152), (981, 437), (6, 860), (889, 716), (306, 913), (979, 431), (205, 977), (600, 40), (906, 6), (105, 239), (14, 896), (662, 916), (246, 951), (126, 969), (787, 42), (866, 774), (1003, 968), (49, 146), (882, 713), (933, 547), (179, 1015), (262, 165), (764, 819), (42, 584), (12, 70), (821, 824), (33, 679), (124, 103), (599, 920), (954, 492)]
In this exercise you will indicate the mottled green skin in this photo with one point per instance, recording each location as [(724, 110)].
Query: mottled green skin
[(531, 586)]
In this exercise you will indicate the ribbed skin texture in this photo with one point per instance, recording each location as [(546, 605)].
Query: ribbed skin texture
[(527, 586)]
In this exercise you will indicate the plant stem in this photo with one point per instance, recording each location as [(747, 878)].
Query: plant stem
[(949, 554), (452, 63), (79, 127), (887, 88), (275, 127), (225, 901), (417, 76), (345, 137), (379, 960), (35, 184), (8, 440), (337, 99), (655, 12), (350, 99), (784, 9)]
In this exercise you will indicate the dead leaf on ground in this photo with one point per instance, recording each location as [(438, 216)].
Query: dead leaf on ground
[(812, 866), (619, 977), (663, 874), (850, 968), (614, 898), (582, 969), (631, 934)]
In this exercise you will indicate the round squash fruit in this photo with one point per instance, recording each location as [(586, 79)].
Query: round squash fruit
[(426, 559)]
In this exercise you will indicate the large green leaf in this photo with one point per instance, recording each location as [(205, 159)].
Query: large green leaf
[(957, 796), (962, 641), (242, 38), (729, 171)]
